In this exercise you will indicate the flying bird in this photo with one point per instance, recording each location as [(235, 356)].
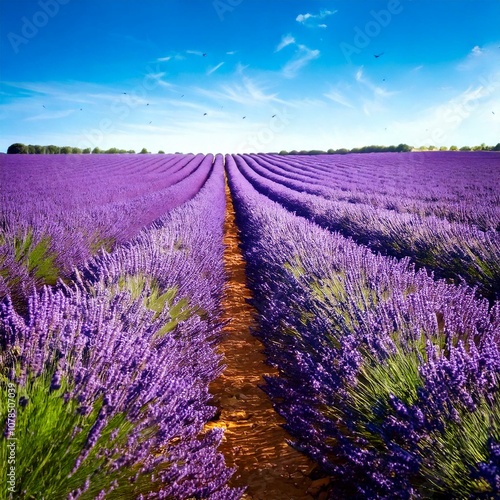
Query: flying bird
[(493, 112), (150, 123), (182, 95), (204, 114), (124, 93), (243, 117), (376, 56), (43, 106), (273, 116), (204, 55), (147, 104)]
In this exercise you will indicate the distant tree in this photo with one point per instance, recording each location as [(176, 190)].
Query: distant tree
[(403, 148), (40, 150), (161, 152), (111, 151), (31, 149), (65, 150), (76, 151), (144, 151), (342, 151), (453, 148), (131, 152), (432, 148), (465, 148), (443, 148), (86, 151), (17, 149), (283, 152), (96, 151), (53, 150), (496, 148)]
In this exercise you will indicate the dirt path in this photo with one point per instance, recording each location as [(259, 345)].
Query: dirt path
[(254, 442)]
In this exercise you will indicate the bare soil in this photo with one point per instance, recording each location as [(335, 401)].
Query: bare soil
[(254, 441)]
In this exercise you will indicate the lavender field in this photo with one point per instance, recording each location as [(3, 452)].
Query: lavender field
[(376, 281)]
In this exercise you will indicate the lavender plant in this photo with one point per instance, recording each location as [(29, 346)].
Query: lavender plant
[(111, 370), (379, 365), (452, 250), (50, 223)]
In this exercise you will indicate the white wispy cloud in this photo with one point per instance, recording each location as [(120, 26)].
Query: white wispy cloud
[(302, 57), (310, 20), (231, 52), (246, 92), (338, 97), (164, 59), (480, 59), (194, 52), (285, 41), (215, 68)]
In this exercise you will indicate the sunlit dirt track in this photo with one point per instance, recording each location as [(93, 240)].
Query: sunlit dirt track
[(254, 440)]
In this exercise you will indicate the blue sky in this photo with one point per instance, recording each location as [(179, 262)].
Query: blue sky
[(249, 75)]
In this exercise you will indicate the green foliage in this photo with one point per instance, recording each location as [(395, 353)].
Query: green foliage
[(459, 450), (50, 435), (161, 152), (96, 151), (144, 151), (159, 301), (17, 149), (453, 148), (35, 256), (456, 451)]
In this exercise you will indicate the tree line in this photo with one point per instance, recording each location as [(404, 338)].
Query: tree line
[(30, 149), (401, 148)]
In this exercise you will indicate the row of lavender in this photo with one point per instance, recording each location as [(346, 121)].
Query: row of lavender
[(459, 188), (453, 250), (107, 373), (57, 213), (387, 378)]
